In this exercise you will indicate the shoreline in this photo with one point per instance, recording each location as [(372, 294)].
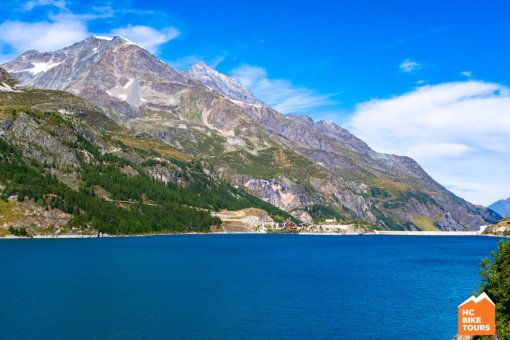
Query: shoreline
[(81, 236)]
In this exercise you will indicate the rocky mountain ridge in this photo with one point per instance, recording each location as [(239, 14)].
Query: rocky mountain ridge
[(289, 161), (230, 87)]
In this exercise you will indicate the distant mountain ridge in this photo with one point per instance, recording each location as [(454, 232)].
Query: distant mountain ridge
[(502, 207), (289, 161)]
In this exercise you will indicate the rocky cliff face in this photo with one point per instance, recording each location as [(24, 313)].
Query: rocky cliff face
[(245, 221), (287, 160), (6, 80)]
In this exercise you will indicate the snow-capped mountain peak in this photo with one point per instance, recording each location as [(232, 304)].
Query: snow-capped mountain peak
[(109, 71), (102, 37), (55, 70), (119, 39)]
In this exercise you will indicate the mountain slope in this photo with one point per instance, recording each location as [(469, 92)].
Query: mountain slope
[(66, 167), (289, 161), (502, 207)]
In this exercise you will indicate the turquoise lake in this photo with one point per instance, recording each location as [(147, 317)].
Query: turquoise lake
[(238, 286)]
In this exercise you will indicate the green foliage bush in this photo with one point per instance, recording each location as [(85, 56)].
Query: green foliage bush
[(22, 232), (379, 192), (496, 283), (321, 212)]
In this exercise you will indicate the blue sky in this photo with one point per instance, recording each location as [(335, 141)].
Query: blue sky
[(351, 62)]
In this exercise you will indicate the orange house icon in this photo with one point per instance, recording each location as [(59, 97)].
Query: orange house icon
[(477, 316)]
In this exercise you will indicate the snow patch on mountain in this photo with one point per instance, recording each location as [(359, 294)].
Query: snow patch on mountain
[(102, 37), (117, 38), (37, 68), (131, 93), (127, 41), (42, 67)]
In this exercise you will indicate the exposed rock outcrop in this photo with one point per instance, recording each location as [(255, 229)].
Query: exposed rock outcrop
[(246, 220)]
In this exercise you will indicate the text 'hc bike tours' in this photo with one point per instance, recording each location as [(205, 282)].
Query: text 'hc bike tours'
[(477, 316)]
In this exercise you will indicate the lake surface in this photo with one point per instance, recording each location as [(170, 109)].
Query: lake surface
[(238, 286)]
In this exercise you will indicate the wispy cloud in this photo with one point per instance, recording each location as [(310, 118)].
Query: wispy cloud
[(218, 59), (95, 14), (459, 132), (409, 66), (148, 37), (30, 5), (279, 93), (467, 74), (408, 39)]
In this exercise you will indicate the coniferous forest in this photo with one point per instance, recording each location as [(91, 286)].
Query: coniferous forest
[(135, 203)]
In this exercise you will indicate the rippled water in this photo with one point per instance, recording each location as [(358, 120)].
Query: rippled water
[(238, 286)]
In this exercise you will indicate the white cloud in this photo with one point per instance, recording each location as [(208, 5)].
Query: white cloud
[(459, 132), (65, 28), (97, 13), (30, 5), (61, 29), (42, 36), (410, 65), (467, 74), (150, 38), (279, 93)]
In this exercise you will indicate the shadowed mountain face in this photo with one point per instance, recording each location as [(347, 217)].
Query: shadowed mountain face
[(290, 161), (502, 207), (6, 80)]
